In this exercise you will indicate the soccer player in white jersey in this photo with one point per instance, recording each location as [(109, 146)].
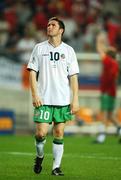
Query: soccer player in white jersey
[(53, 101)]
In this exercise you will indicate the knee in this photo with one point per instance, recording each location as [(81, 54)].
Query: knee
[(40, 134), (58, 133)]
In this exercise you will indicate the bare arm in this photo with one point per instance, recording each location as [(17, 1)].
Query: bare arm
[(101, 44), (33, 85), (74, 88)]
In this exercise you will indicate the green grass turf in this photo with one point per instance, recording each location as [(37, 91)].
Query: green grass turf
[(82, 160)]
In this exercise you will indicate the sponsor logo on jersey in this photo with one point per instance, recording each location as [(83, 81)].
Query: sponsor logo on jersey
[(45, 54)]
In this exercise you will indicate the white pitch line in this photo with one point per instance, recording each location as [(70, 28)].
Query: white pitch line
[(82, 156), (20, 153)]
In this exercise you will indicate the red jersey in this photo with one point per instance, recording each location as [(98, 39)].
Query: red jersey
[(109, 75)]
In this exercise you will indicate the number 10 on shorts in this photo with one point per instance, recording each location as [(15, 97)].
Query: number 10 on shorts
[(44, 115)]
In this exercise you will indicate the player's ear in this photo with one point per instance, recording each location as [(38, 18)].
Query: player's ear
[(61, 31)]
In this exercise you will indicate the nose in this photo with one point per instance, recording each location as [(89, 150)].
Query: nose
[(50, 26)]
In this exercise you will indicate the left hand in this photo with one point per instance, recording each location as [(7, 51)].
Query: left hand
[(74, 107)]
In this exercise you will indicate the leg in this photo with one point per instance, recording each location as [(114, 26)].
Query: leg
[(114, 120), (106, 104), (111, 115), (102, 128), (58, 147), (41, 131)]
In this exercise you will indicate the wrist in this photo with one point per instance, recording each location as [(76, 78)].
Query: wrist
[(34, 95)]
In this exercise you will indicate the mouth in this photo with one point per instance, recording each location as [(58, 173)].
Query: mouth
[(49, 32)]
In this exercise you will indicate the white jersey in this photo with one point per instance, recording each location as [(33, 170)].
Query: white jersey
[(55, 65)]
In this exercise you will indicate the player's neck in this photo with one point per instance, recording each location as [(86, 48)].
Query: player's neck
[(54, 41)]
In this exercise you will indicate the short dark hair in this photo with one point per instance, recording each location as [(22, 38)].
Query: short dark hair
[(60, 22)]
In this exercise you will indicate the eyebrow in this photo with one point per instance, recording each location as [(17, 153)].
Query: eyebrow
[(52, 22)]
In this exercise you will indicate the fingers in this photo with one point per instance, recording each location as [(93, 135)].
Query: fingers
[(37, 103), (74, 110)]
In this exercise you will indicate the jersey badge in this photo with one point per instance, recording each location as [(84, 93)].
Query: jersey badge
[(62, 56)]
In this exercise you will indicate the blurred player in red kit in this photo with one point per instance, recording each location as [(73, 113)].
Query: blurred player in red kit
[(108, 88)]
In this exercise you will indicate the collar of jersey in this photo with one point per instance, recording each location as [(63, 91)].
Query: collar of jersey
[(54, 46)]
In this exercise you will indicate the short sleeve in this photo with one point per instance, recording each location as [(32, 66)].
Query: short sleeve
[(33, 62), (73, 65)]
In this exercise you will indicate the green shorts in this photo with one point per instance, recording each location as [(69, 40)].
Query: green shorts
[(107, 102), (49, 114)]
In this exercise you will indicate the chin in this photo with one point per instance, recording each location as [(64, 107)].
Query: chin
[(49, 34)]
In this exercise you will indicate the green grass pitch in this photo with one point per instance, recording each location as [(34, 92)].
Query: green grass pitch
[(82, 160)]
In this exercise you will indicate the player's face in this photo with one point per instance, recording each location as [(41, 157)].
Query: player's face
[(53, 29)]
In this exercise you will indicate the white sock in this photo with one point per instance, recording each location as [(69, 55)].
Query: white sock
[(101, 130), (101, 138), (40, 148), (58, 150)]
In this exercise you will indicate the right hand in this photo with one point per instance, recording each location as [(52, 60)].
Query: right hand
[(36, 101)]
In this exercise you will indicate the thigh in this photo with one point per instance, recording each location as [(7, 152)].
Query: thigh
[(42, 129)]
